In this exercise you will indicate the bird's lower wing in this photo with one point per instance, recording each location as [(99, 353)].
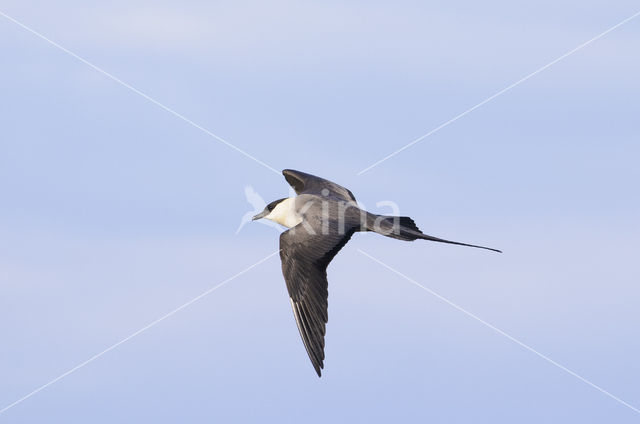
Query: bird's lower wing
[(305, 258)]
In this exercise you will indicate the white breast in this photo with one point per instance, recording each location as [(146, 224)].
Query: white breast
[(285, 214)]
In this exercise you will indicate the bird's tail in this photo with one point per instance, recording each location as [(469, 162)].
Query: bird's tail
[(404, 228)]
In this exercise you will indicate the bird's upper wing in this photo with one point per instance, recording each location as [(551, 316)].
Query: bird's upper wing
[(304, 183), (305, 258)]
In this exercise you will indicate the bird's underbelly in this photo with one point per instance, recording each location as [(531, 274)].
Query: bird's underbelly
[(289, 220)]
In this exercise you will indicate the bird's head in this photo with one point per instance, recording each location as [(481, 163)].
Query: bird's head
[(268, 209)]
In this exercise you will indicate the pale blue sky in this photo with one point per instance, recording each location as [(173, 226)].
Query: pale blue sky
[(115, 212)]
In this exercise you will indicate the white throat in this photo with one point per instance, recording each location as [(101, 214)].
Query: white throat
[(285, 213)]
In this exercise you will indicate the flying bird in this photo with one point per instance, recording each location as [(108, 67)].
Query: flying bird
[(321, 220)]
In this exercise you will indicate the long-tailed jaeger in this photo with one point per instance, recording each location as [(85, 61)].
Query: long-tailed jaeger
[(321, 220)]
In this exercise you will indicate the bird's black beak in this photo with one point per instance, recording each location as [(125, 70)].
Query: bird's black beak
[(260, 215)]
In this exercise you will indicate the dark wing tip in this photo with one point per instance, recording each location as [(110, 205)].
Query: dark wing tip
[(294, 179)]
